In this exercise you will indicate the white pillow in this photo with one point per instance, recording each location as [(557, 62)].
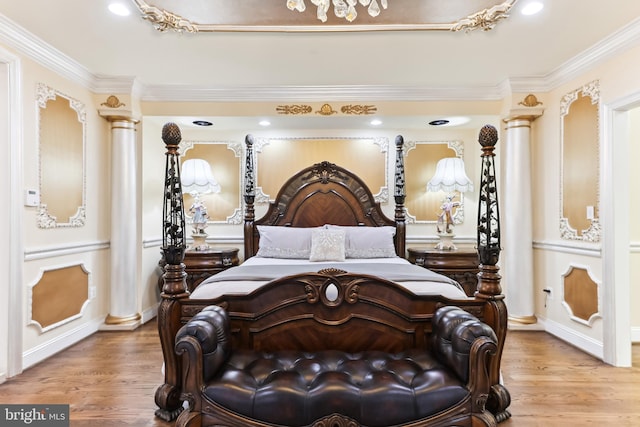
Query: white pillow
[(368, 242), (327, 245), (284, 242)]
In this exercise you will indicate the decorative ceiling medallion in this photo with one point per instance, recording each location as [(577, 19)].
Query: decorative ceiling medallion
[(294, 109), (262, 15), (113, 102)]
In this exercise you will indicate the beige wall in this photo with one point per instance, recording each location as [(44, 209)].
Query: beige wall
[(554, 255), (47, 249)]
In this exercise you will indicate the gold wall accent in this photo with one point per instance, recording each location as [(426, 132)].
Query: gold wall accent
[(530, 101), (580, 164), (225, 160), (113, 102), (294, 109), (59, 296), (359, 109), (580, 294), (326, 110), (278, 159), (62, 122)]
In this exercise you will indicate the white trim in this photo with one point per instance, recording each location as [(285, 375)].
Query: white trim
[(592, 250), (635, 334), (149, 314), (69, 249), (594, 316), (49, 348), (14, 238), (581, 341)]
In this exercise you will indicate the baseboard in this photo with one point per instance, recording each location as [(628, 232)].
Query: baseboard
[(149, 314), (635, 334), (583, 342), (59, 343)]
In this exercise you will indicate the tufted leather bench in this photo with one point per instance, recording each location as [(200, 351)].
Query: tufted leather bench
[(368, 388)]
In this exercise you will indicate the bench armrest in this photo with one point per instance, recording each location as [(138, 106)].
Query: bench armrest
[(205, 343), (462, 342)]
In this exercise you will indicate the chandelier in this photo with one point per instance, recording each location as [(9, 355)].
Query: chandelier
[(341, 8)]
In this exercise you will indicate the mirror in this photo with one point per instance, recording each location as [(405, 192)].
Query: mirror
[(421, 157), (579, 110), (366, 157), (225, 159), (62, 122)]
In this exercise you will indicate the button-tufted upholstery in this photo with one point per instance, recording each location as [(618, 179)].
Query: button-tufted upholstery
[(374, 388)]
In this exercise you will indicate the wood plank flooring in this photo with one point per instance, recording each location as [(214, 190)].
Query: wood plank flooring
[(110, 379)]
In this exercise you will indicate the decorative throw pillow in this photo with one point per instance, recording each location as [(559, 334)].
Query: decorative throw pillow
[(284, 242), (368, 242), (327, 245)]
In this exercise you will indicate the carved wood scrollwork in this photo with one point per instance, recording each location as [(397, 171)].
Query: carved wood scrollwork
[(336, 421)]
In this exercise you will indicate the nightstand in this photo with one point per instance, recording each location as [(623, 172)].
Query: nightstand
[(461, 264), (201, 264)]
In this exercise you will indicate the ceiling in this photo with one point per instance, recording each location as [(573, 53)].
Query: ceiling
[(312, 65)]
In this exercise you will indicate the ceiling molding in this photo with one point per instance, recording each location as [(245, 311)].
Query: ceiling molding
[(318, 93), (25, 43), (43, 53)]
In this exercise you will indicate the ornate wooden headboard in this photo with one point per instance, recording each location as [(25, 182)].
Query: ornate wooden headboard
[(323, 193)]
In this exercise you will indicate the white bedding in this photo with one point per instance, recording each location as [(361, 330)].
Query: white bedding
[(208, 290)]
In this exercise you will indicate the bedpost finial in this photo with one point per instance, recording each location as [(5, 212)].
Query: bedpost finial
[(248, 140), (488, 136), (171, 134), (399, 141)]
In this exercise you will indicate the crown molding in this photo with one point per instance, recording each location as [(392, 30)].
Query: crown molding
[(48, 56), (317, 93), (43, 53)]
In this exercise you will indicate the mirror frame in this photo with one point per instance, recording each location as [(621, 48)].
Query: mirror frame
[(567, 232), (45, 220), (458, 148), (382, 194), (237, 217)]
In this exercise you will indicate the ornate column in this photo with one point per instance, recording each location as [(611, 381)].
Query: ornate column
[(123, 308), (517, 268)]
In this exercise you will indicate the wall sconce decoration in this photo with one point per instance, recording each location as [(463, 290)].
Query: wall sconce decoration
[(449, 177), (198, 179)]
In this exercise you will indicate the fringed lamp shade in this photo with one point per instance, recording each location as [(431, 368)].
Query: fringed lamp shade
[(450, 176), (198, 178), (173, 244)]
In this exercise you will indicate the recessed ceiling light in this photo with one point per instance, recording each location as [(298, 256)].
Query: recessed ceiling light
[(264, 123), (119, 9), (375, 122), (202, 123), (439, 122), (532, 8)]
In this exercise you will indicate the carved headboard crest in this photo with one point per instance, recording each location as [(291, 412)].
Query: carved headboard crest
[(324, 171)]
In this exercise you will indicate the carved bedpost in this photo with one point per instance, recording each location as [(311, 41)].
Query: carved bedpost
[(167, 396), (488, 278), (249, 198), (399, 196)]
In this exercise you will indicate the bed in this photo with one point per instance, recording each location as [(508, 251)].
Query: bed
[(323, 218)]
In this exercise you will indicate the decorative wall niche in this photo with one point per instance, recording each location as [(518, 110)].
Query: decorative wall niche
[(277, 159), (59, 296), (579, 194), (421, 158), (581, 295), (62, 123), (225, 159)]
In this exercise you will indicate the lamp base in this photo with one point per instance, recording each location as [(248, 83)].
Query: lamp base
[(199, 242), (446, 242)]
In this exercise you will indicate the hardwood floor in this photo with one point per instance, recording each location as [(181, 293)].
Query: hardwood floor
[(110, 379)]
